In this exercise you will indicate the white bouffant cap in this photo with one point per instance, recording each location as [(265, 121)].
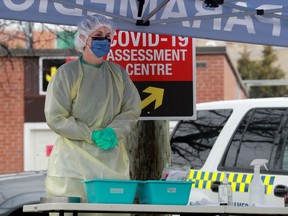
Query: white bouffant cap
[(88, 25)]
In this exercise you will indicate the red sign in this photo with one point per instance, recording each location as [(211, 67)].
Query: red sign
[(161, 67), (153, 57)]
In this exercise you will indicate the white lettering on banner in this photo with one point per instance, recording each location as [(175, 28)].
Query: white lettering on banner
[(274, 21), (149, 69), (67, 11), (168, 11), (201, 11), (124, 7), (109, 5), (173, 9), (43, 6), (147, 55), (18, 7), (247, 21)]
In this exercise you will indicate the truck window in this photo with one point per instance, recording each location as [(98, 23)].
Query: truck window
[(258, 136), (281, 158), (285, 158), (193, 140)]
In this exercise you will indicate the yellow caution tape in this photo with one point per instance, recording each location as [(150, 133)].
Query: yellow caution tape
[(239, 181)]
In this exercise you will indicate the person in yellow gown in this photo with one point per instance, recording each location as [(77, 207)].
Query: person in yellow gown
[(92, 104)]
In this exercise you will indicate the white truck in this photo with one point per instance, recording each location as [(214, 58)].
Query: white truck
[(225, 138)]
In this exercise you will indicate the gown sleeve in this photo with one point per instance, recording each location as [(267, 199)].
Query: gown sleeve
[(58, 103), (130, 112)]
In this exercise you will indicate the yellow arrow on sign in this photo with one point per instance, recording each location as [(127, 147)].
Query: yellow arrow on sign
[(156, 94), (52, 72)]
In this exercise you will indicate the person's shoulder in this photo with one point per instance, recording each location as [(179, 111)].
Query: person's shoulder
[(70, 69), (71, 63), (113, 65), (116, 68)]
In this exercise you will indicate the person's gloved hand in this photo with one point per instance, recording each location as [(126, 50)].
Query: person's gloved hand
[(107, 144), (105, 139)]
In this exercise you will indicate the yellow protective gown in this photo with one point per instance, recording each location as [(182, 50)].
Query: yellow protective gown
[(82, 98)]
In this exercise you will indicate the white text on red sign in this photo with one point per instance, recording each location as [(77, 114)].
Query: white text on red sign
[(153, 57)]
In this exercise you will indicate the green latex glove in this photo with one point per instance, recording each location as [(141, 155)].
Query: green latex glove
[(105, 139), (108, 144), (108, 134), (100, 142), (96, 134)]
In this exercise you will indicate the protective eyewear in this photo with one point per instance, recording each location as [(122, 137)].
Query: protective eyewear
[(101, 38)]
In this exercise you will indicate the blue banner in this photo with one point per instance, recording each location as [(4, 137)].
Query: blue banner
[(250, 21)]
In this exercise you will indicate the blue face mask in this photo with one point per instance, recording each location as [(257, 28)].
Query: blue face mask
[(100, 46)]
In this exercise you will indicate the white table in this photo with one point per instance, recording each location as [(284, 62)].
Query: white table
[(152, 209)]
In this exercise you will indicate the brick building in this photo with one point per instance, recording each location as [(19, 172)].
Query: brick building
[(11, 114), (18, 39), (216, 77), (22, 105)]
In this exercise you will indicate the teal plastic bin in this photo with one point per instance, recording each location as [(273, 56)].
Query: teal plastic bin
[(164, 192), (111, 191)]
